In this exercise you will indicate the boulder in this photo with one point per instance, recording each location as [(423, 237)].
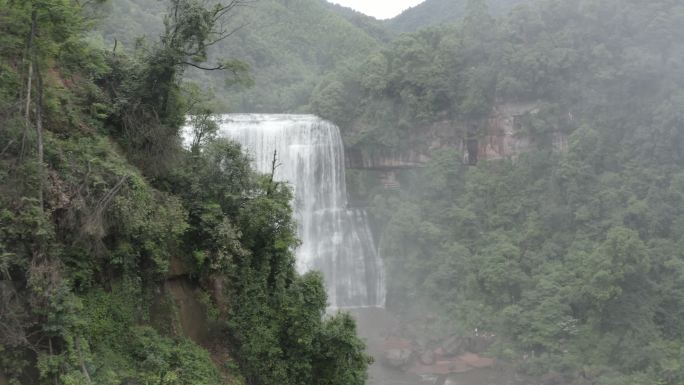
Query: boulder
[(397, 358), (453, 346), (427, 357), (440, 368), (480, 344), (397, 352), (476, 361)]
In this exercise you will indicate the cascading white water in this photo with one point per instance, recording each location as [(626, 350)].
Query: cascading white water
[(335, 240)]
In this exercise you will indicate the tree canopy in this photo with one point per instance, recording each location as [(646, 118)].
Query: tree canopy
[(571, 258)]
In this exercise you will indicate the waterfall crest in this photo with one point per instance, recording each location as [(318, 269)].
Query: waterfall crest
[(336, 240)]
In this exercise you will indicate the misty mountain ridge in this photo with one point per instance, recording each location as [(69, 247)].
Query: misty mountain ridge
[(287, 44), (436, 12)]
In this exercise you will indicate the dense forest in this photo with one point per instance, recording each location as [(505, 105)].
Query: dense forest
[(289, 46), (571, 258), (124, 257), (431, 13)]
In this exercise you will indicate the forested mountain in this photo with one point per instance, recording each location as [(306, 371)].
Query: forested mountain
[(371, 25), (571, 256), (431, 13), (288, 44), (126, 258)]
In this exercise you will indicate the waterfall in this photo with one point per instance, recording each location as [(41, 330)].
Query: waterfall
[(336, 240)]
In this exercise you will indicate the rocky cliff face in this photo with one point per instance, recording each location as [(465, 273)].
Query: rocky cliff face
[(500, 136), (384, 159), (503, 135)]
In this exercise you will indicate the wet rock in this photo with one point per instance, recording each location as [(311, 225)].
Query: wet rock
[(480, 344), (453, 346), (476, 361), (454, 365), (397, 352), (427, 357), (398, 358), (421, 342)]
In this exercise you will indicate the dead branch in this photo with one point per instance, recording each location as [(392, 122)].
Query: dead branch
[(84, 369), (93, 223), (39, 132), (274, 167), (219, 67)]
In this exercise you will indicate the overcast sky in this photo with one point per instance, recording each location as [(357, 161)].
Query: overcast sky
[(381, 9)]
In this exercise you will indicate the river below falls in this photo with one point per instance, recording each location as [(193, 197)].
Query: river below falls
[(374, 324)]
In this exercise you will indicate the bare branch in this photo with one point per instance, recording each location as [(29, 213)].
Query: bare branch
[(11, 142), (219, 67), (226, 35)]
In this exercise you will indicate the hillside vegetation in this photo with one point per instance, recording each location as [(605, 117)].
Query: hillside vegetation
[(126, 258), (573, 259), (432, 13), (113, 236), (288, 45)]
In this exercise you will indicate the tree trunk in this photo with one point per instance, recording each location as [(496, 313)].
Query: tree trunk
[(55, 378), (27, 111), (274, 166), (30, 53), (39, 132), (35, 69), (84, 369), (29, 79)]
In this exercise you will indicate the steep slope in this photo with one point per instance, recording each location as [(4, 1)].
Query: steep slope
[(436, 12), (372, 26), (126, 258), (288, 44)]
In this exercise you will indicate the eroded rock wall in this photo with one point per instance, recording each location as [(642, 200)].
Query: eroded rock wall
[(500, 136)]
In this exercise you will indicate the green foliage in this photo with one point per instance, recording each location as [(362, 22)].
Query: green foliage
[(505, 248), (149, 103), (431, 76), (287, 44), (242, 228), (92, 247), (571, 259), (123, 351), (566, 257), (432, 13), (339, 345), (164, 361)]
